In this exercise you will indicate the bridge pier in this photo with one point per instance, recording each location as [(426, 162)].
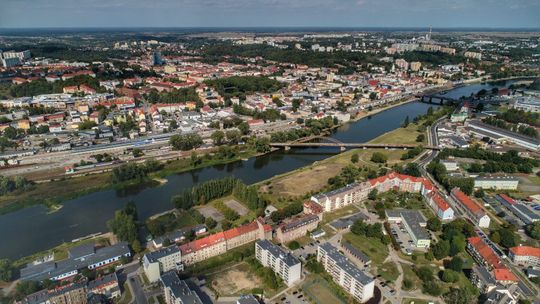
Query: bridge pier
[(287, 148), (342, 148)]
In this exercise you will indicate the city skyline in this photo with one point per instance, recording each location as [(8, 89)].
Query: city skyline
[(269, 13)]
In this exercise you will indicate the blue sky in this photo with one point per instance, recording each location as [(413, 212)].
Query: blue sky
[(246, 13)]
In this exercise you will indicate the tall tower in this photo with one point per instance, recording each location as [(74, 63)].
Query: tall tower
[(429, 35)]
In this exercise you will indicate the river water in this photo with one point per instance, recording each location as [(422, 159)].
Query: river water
[(33, 229)]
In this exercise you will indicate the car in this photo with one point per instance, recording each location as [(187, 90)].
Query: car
[(318, 242), (302, 247), (283, 299), (300, 296), (295, 292)]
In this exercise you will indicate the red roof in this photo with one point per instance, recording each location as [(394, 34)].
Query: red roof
[(467, 201), (402, 177), (485, 251), (234, 232), (526, 251), (503, 274), (507, 199), (199, 244), (441, 203)]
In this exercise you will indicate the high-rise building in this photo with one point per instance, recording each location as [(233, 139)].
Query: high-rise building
[(282, 263), (156, 58), (345, 273)]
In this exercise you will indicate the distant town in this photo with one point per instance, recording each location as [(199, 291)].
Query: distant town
[(402, 167)]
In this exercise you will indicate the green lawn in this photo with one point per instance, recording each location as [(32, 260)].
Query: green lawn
[(376, 250), (414, 301), (400, 136), (317, 291), (126, 297), (388, 271), (408, 274)]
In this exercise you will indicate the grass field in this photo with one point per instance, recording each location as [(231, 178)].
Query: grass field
[(388, 271), (319, 292), (414, 301), (376, 250), (400, 136), (408, 274), (234, 281)]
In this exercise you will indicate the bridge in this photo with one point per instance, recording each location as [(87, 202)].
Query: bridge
[(438, 99), (332, 142)]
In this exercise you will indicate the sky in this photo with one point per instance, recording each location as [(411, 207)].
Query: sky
[(270, 13)]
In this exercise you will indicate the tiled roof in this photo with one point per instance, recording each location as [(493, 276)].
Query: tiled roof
[(485, 251), (467, 201), (526, 251), (503, 274), (507, 198), (441, 203)]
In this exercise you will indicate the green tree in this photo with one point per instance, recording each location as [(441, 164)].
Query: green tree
[(6, 270), (293, 245), (378, 157), (449, 276), (441, 249), (420, 138), (210, 223), (185, 142), (434, 224), (244, 128), (533, 230), (218, 137), (354, 158)]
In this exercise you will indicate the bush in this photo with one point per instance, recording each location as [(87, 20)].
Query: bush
[(449, 276), (379, 157), (293, 245)]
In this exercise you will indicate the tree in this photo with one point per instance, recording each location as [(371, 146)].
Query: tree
[(412, 169), (508, 238), (137, 152), (293, 245), (6, 270), (372, 195), (434, 224), (459, 296), (420, 138), (244, 128), (379, 157), (479, 193), (406, 122), (533, 230), (123, 226), (210, 223), (456, 264), (218, 137), (233, 136), (185, 142), (441, 249), (424, 273), (449, 276), (354, 158)]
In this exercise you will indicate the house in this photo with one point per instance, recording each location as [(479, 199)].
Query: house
[(297, 227)]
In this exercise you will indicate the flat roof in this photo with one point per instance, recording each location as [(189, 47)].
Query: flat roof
[(346, 265), (179, 288), (277, 251), (413, 218)]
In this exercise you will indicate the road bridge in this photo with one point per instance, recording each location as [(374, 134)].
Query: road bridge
[(332, 142)]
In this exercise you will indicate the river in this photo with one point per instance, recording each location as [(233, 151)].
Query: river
[(34, 229)]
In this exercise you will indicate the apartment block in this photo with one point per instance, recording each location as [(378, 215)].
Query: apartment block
[(471, 208), (281, 262), (414, 222), (525, 256), (496, 182), (297, 227), (345, 274), (157, 262), (178, 291)]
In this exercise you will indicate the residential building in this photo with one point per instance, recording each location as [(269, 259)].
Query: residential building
[(281, 262), (84, 256), (247, 299), (354, 281), (450, 165), (482, 253), (218, 243), (106, 285), (297, 227), (482, 278), (157, 262), (414, 223), (439, 205), (178, 291), (528, 104), (342, 197), (73, 293), (496, 182), (471, 208), (353, 253), (525, 256)]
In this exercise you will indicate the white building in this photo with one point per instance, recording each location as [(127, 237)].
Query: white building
[(178, 291), (345, 273), (473, 211), (496, 182), (157, 262), (282, 263), (450, 165), (525, 255), (414, 222)]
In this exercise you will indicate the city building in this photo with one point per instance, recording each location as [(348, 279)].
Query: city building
[(106, 285), (525, 256), (84, 256), (219, 243), (472, 209), (526, 214), (342, 197), (528, 104), (353, 253), (414, 223), (72, 293), (248, 299), (482, 278), (354, 281), (178, 291), (281, 262), (496, 182), (297, 227), (415, 66), (160, 261), (482, 253), (502, 135), (439, 205), (450, 165)]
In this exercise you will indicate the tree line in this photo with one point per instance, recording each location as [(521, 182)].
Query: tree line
[(134, 171), (244, 85), (18, 183)]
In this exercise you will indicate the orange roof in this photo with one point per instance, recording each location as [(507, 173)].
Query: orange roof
[(467, 201), (402, 177), (485, 251), (503, 274), (526, 250), (199, 244), (441, 203), (234, 232)]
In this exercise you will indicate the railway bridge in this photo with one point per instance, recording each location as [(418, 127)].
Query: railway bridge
[(323, 141)]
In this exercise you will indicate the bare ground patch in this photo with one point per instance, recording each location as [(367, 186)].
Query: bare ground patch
[(235, 281), (236, 206), (209, 211)]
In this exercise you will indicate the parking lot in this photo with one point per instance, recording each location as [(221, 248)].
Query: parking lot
[(295, 296), (209, 211), (403, 238), (236, 206), (310, 248)]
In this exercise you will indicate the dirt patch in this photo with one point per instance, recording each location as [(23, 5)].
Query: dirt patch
[(236, 206), (209, 211), (312, 179), (235, 281)]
